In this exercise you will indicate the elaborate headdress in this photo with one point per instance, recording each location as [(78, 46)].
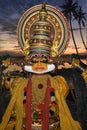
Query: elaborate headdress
[(40, 41), (43, 33)]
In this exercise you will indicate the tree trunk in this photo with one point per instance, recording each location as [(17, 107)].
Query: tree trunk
[(82, 37), (74, 38)]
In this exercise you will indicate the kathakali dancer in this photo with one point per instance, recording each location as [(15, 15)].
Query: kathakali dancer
[(39, 101)]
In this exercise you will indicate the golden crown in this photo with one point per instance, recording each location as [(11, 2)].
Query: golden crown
[(40, 42), (43, 33)]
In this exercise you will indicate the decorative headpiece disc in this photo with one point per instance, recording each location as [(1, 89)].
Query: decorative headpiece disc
[(43, 32)]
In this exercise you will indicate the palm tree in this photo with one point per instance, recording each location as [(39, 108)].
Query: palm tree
[(80, 17), (69, 10)]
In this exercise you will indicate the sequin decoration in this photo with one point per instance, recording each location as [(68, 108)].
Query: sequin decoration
[(37, 110), (53, 104)]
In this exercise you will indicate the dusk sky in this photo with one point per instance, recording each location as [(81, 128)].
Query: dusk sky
[(12, 10)]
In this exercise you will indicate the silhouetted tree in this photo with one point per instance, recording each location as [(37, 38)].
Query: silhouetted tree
[(80, 17), (69, 9)]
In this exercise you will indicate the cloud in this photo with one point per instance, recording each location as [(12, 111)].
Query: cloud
[(14, 16), (10, 12), (71, 50), (8, 41)]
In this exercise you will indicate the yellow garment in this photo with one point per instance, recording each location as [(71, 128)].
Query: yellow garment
[(20, 83), (6, 62), (84, 75), (66, 120)]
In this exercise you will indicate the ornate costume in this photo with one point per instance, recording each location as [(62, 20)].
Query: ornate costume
[(39, 101)]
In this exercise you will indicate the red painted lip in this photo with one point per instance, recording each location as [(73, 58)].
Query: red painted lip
[(39, 68)]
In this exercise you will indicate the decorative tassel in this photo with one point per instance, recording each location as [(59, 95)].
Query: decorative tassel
[(28, 106), (45, 124)]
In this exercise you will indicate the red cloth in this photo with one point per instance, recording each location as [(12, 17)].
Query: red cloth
[(45, 124), (28, 122)]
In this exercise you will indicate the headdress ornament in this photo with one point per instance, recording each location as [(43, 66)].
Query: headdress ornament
[(43, 33)]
